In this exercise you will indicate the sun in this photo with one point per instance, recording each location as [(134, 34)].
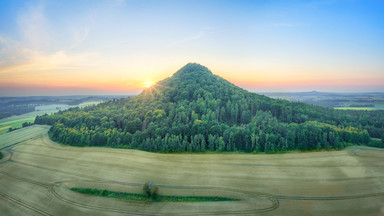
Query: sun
[(148, 84)]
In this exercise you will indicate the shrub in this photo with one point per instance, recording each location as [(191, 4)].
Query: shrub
[(150, 191), (154, 192)]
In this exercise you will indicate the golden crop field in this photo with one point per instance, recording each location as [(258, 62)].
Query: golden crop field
[(36, 175)]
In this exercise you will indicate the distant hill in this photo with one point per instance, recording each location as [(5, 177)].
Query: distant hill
[(195, 110), (371, 100)]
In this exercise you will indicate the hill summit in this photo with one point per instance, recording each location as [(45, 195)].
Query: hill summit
[(193, 68), (190, 82), (195, 110)]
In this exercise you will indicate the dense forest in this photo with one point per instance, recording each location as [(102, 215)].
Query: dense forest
[(197, 111)]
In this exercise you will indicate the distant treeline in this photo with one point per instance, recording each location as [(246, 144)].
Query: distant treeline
[(10, 106), (10, 110), (197, 111)]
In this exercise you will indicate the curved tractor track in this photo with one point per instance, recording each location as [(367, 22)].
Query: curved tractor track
[(274, 202), (24, 204), (29, 144)]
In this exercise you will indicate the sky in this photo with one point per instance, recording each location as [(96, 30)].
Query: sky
[(118, 47)]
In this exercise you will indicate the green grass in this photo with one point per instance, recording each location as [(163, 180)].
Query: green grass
[(1, 155), (141, 198), (4, 126)]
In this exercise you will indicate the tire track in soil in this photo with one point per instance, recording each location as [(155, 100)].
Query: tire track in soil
[(274, 199), (331, 198), (34, 134), (271, 198), (54, 192), (102, 179), (24, 204), (25, 180)]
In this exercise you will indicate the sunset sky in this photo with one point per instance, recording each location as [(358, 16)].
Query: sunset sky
[(120, 47)]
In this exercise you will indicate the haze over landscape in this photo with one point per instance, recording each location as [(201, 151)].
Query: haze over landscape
[(116, 47)]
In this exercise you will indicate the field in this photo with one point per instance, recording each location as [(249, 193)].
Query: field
[(356, 108), (16, 121), (4, 126), (36, 175), (345, 101), (376, 107)]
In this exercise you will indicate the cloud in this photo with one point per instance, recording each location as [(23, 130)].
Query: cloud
[(201, 34), (80, 36), (33, 27), (12, 53), (32, 61), (34, 51)]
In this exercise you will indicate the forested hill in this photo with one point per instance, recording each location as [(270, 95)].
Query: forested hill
[(195, 110)]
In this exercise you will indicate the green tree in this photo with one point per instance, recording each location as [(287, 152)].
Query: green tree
[(150, 191)]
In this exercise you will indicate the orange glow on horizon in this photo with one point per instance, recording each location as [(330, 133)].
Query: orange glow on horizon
[(254, 82), (133, 81)]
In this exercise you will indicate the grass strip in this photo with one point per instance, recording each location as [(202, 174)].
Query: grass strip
[(4, 126), (141, 198)]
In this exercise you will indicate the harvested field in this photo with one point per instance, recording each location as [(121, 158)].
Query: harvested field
[(36, 175)]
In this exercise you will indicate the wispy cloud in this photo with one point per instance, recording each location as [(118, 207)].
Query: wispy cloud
[(80, 36), (33, 51), (34, 27), (195, 37), (31, 61)]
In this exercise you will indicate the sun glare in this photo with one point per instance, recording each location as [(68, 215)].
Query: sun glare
[(148, 84)]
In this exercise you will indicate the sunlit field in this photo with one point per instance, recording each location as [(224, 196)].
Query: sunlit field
[(355, 108), (4, 126), (36, 175), (17, 120), (376, 107)]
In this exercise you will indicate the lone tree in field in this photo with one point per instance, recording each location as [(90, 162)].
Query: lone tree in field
[(150, 191)]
